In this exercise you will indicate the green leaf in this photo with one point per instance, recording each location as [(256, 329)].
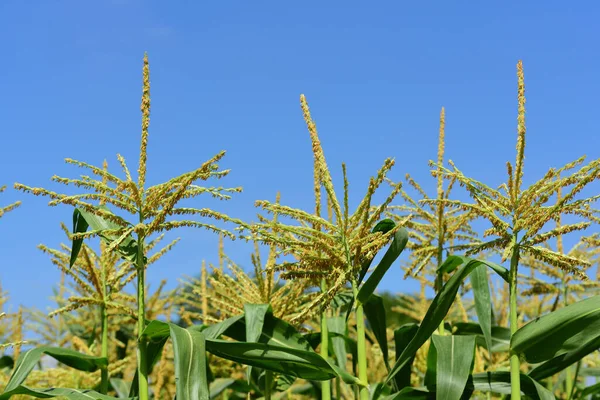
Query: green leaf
[(285, 360), (7, 362), (500, 335), (438, 309), (280, 348), (375, 313), (430, 379), (121, 387), (588, 391), (570, 331), (337, 329), (483, 302), (410, 393), (70, 394), (455, 356), (499, 382), (219, 385), (455, 261), (128, 249), (403, 336), (397, 246), (189, 350), (79, 226), (562, 361), (254, 315), (29, 359)]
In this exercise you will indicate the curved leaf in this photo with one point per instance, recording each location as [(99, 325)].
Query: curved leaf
[(128, 249), (500, 335), (499, 382), (573, 329), (29, 359), (282, 359), (70, 394), (397, 246)]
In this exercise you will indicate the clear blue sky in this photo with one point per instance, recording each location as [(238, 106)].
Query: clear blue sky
[(227, 75)]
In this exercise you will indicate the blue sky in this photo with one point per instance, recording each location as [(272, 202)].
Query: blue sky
[(228, 75)]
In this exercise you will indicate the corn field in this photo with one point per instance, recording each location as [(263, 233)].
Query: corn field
[(502, 312)]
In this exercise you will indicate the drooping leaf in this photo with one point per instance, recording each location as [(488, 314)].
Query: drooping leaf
[(455, 356), (562, 361), (280, 348), (572, 329), (221, 384), (499, 382), (70, 394), (397, 246), (410, 393), (500, 335), (439, 308), (483, 302), (402, 337), (128, 249), (29, 359), (375, 313)]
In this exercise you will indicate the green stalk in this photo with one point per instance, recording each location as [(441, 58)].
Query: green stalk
[(104, 340), (141, 291), (361, 343), (325, 385), (268, 384), (571, 391), (104, 350), (515, 375), (439, 279), (569, 381)]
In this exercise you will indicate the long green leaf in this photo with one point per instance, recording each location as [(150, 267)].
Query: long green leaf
[(567, 330), (483, 302), (280, 348), (375, 313), (500, 335), (499, 382), (28, 360), (402, 337), (438, 309), (397, 246), (70, 394), (189, 349), (454, 359), (285, 360)]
